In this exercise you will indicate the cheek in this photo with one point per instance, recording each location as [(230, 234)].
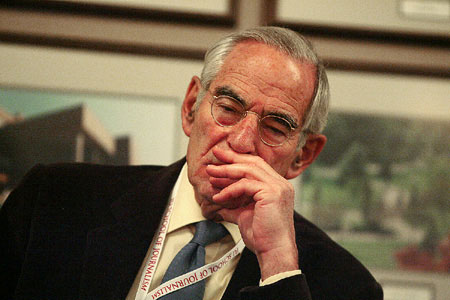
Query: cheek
[(206, 136), (281, 161), (198, 138), (281, 167), (203, 138)]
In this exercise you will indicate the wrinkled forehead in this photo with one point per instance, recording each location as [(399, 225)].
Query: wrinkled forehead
[(254, 67)]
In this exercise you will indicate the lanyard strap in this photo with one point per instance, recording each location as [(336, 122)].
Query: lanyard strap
[(196, 275), (153, 259), (185, 279)]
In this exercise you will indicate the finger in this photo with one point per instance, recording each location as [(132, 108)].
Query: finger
[(225, 156), (239, 189), (237, 171), (231, 157), (234, 203), (221, 182), (233, 215)]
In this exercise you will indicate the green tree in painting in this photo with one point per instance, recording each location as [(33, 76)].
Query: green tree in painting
[(429, 209), (429, 183), (384, 140), (353, 174), (429, 206)]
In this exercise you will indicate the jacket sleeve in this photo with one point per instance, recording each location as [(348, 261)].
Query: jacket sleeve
[(296, 288), (15, 219), (291, 288)]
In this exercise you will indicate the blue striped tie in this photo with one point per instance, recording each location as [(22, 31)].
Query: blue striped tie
[(191, 257)]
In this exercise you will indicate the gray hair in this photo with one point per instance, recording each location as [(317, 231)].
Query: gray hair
[(287, 41)]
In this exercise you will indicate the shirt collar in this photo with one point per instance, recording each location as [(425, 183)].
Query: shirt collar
[(186, 210)]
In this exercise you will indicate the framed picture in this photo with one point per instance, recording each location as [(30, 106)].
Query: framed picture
[(381, 188), (39, 126), (220, 7), (215, 13), (384, 17)]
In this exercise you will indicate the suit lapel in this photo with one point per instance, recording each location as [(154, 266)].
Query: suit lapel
[(115, 253)]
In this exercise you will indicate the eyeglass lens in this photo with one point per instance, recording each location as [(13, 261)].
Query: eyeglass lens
[(273, 130)]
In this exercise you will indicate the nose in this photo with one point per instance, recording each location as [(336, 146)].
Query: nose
[(244, 135)]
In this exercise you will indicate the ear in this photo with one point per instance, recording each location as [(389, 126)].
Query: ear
[(307, 155), (187, 109)]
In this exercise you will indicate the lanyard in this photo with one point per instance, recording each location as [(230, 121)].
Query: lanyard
[(185, 279), (195, 275)]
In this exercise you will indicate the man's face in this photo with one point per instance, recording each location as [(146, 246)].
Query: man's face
[(268, 82)]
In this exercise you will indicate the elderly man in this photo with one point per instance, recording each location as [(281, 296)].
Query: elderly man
[(253, 120)]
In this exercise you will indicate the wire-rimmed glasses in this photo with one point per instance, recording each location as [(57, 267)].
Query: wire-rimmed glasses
[(273, 130)]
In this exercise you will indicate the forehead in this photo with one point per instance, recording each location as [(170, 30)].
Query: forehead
[(265, 76)]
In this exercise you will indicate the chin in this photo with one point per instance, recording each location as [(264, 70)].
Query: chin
[(209, 208), (209, 211), (203, 195), (205, 191), (214, 216)]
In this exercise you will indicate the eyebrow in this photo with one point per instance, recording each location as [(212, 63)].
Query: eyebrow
[(287, 117), (227, 91)]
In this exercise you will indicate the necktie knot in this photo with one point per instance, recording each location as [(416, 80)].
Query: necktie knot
[(191, 257), (207, 232)]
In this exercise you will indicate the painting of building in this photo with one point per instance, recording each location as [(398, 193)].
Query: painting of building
[(70, 135)]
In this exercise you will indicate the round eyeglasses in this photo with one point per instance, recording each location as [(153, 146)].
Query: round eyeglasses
[(273, 130)]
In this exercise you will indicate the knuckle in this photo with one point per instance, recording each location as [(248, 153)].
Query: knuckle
[(259, 160), (243, 181)]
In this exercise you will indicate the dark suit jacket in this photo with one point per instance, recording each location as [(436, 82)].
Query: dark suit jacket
[(77, 231)]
